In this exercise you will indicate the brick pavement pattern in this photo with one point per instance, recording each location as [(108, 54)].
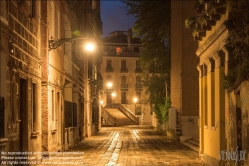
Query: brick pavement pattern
[(129, 146)]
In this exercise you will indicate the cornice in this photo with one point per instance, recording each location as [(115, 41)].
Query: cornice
[(211, 39)]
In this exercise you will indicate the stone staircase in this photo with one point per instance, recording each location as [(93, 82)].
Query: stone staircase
[(107, 118), (125, 111), (121, 119), (192, 143)]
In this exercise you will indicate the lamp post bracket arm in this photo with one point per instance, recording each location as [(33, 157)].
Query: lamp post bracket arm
[(55, 44)]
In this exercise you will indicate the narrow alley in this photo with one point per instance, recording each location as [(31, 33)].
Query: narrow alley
[(127, 146)]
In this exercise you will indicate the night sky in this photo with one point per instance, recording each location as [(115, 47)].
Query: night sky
[(114, 17)]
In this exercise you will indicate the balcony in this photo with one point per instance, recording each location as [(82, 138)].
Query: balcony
[(138, 70), (109, 70), (138, 87), (124, 101), (125, 54), (124, 86), (124, 70)]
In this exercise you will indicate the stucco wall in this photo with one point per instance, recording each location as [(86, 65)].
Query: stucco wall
[(231, 121)]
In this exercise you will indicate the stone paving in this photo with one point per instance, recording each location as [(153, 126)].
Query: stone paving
[(128, 146)]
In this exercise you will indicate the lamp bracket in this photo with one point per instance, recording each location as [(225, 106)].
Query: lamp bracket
[(55, 44)]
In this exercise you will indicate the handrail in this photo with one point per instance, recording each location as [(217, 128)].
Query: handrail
[(125, 111), (107, 116)]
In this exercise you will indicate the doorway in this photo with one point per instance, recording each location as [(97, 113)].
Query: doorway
[(23, 112)]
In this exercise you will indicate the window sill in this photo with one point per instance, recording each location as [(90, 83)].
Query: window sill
[(3, 142), (212, 128), (35, 133), (53, 131)]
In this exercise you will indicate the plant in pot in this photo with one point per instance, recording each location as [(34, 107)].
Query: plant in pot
[(190, 22), (199, 5)]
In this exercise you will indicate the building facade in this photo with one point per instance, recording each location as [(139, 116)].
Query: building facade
[(48, 91), (20, 113), (120, 67), (223, 120)]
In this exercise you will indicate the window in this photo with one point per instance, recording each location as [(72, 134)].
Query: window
[(138, 82), (109, 66), (3, 10), (123, 98), (74, 114), (108, 63), (138, 69), (108, 97), (123, 82), (123, 66), (138, 111), (118, 50), (138, 95)]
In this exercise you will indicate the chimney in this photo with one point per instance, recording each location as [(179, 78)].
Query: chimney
[(129, 34)]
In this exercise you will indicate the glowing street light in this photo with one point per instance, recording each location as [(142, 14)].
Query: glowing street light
[(113, 94), (135, 100), (109, 84), (89, 47), (55, 44)]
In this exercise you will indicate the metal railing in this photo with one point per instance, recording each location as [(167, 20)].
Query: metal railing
[(107, 116), (124, 86), (125, 111)]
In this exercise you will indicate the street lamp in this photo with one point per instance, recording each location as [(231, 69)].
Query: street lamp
[(55, 44), (89, 47), (109, 84), (113, 95), (135, 101)]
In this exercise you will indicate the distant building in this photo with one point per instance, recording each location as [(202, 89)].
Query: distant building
[(120, 67)]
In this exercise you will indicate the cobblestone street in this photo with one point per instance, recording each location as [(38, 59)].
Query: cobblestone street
[(130, 146)]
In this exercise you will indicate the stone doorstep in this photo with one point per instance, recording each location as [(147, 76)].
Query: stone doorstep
[(196, 139), (194, 142), (194, 147)]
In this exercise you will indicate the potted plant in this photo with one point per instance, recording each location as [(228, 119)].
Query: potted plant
[(190, 22), (199, 5)]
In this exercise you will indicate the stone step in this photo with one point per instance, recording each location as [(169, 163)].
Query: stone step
[(196, 139), (194, 142), (195, 148)]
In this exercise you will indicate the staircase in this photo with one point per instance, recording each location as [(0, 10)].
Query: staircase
[(121, 119), (192, 143), (108, 119), (122, 114)]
